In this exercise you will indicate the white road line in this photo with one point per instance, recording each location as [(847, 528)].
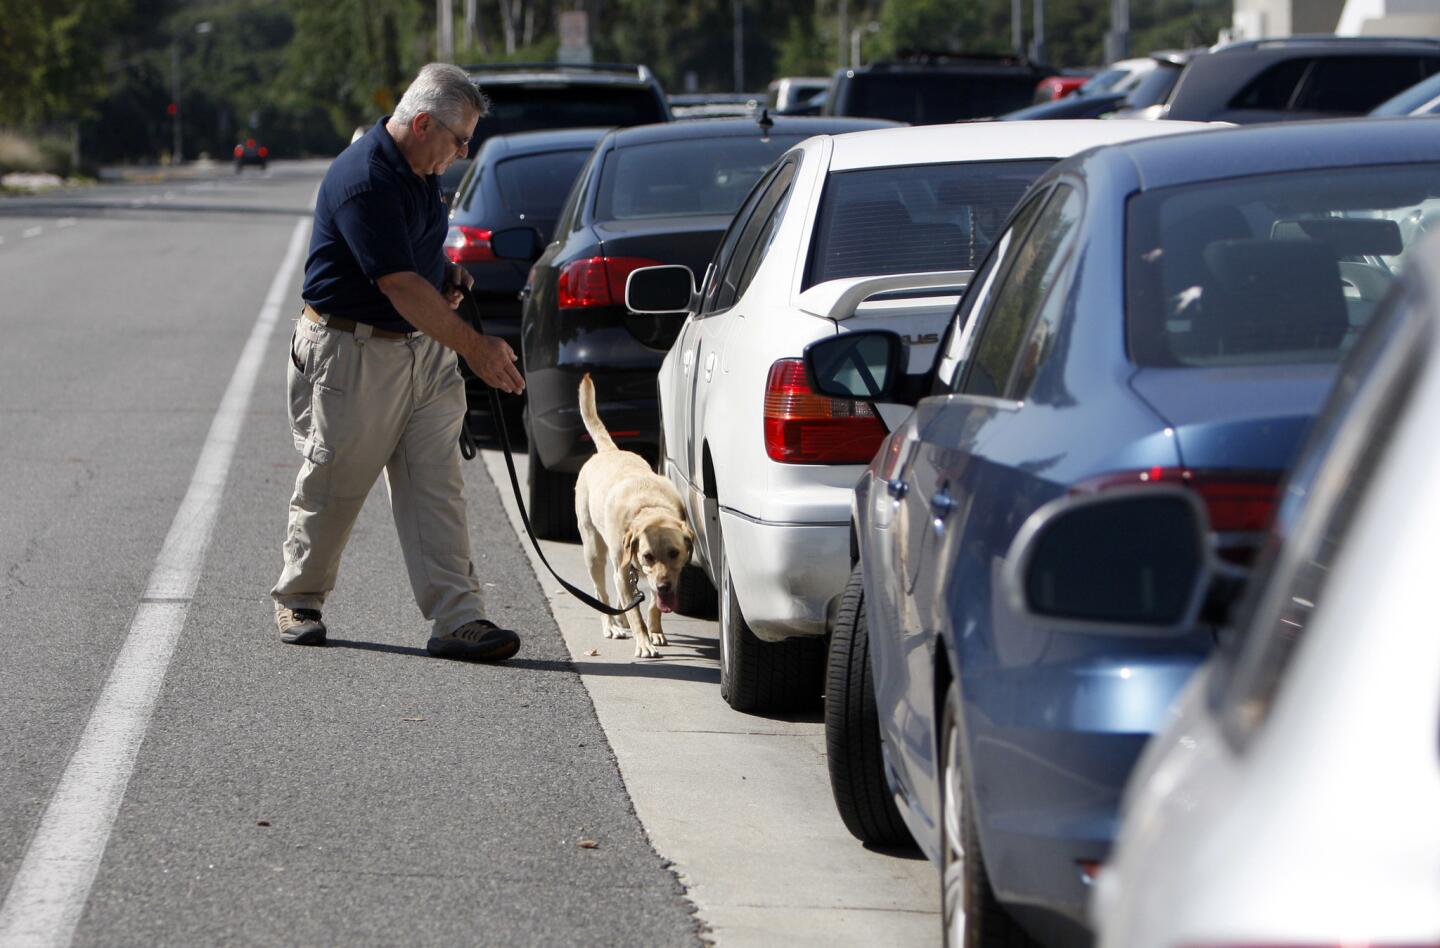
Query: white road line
[(52, 886), (29, 232), (66, 222)]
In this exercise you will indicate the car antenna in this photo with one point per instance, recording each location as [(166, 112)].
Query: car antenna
[(766, 123)]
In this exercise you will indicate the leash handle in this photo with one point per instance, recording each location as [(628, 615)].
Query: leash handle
[(467, 444)]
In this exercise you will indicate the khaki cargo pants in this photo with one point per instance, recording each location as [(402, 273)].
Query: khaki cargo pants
[(359, 405)]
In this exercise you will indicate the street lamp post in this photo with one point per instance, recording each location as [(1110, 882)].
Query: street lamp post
[(855, 35)]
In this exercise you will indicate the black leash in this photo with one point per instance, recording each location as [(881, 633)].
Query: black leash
[(468, 450)]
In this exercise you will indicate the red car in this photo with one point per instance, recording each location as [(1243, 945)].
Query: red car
[(1057, 87)]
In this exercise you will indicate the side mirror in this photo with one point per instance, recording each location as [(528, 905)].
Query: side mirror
[(660, 291), (517, 243), (1123, 561), (867, 365)]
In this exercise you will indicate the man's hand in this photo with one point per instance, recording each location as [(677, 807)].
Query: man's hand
[(456, 278), (491, 358)]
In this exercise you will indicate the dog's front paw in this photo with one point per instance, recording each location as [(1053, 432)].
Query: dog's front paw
[(658, 638), (645, 649), (617, 630)]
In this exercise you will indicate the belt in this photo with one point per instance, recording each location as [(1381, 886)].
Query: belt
[(349, 325)]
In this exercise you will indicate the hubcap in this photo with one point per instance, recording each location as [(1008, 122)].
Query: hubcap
[(953, 866), (725, 620)]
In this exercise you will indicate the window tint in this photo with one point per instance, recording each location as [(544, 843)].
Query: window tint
[(468, 187), (929, 98), (572, 214), (1356, 84), (685, 177), (726, 251), (957, 336), (535, 185), (524, 108), (1274, 88), (1277, 268), (914, 219), (736, 273), (1035, 265), (1155, 87), (1054, 284)]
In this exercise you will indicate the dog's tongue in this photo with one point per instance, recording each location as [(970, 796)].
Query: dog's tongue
[(664, 606)]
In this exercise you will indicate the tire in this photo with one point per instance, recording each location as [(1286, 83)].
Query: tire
[(971, 916), (697, 597), (764, 676), (852, 730), (551, 502)]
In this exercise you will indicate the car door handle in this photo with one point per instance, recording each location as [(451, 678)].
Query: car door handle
[(897, 488), (941, 504)]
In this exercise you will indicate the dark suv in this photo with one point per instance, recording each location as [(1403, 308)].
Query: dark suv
[(1298, 77), (931, 89), (527, 97)]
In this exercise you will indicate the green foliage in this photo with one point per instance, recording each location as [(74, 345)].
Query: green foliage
[(806, 50)]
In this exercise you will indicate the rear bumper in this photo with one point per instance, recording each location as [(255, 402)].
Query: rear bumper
[(1051, 749), (626, 402), (785, 575)]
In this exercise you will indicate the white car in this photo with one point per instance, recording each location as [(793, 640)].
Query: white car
[(1295, 797), (855, 231)]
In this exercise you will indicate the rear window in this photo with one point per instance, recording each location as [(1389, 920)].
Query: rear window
[(536, 185), (915, 219), (519, 108), (933, 98), (1270, 269), (684, 178)]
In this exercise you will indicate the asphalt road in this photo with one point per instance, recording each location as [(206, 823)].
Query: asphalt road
[(358, 794)]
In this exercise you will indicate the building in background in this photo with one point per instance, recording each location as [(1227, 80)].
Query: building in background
[(1254, 19)]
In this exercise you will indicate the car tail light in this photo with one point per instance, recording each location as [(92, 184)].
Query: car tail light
[(239, 150), (264, 152), (802, 427), (249, 143), (1236, 501), (468, 244), (596, 281)]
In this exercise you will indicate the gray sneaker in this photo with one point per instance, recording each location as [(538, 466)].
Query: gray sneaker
[(478, 641), (300, 626)]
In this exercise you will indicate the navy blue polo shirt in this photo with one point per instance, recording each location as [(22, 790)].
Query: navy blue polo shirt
[(374, 215)]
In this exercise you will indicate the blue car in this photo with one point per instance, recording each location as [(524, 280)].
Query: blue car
[(1165, 311)]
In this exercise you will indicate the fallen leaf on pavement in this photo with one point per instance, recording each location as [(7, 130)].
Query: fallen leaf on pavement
[(587, 844), (262, 822), (592, 651), (412, 719)]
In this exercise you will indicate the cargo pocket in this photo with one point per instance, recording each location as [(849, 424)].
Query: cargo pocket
[(298, 389), (326, 415)]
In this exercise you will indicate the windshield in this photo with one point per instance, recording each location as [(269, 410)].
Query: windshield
[(1155, 87), (534, 186), (915, 219), (684, 178), (931, 98), (1277, 268)]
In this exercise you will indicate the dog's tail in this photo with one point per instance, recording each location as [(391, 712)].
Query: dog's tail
[(598, 433)]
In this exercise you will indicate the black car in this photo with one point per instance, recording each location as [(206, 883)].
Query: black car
[(652, 195), (514, 180), (930, 89), (250, 152), (1299, 77), (527, 97)]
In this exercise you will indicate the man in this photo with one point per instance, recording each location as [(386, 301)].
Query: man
[(374, 379)]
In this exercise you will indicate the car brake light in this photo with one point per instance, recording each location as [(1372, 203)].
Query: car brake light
[(239, 150), (596, 281), (468, 244), (802, 427), (249, 143), (1235, 501), (264, 152)]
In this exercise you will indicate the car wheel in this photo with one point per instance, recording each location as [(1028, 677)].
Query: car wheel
[(971, 915), (852, 729), (764, 676), (552, 501)]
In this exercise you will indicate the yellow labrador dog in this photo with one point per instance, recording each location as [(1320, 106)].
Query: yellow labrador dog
[(632, 517)]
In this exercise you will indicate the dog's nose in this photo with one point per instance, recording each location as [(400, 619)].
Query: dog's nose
[(663, 588)]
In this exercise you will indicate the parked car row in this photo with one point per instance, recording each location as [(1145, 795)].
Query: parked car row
[(982, 428)]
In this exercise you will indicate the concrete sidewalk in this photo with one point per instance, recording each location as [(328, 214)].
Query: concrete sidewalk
[(739, 803)]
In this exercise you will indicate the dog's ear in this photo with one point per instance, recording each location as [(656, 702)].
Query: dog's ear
[(630, 547), (689, 543)]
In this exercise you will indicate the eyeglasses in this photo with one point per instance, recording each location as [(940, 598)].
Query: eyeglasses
[(461, 143)]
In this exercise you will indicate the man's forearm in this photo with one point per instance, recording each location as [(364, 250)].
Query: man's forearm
[(424, 308)]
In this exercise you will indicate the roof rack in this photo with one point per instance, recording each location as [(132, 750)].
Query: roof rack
[(639, 71), (925, 57), (1325, 39)]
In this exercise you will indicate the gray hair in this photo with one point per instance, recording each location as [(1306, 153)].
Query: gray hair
[(444, 91)]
